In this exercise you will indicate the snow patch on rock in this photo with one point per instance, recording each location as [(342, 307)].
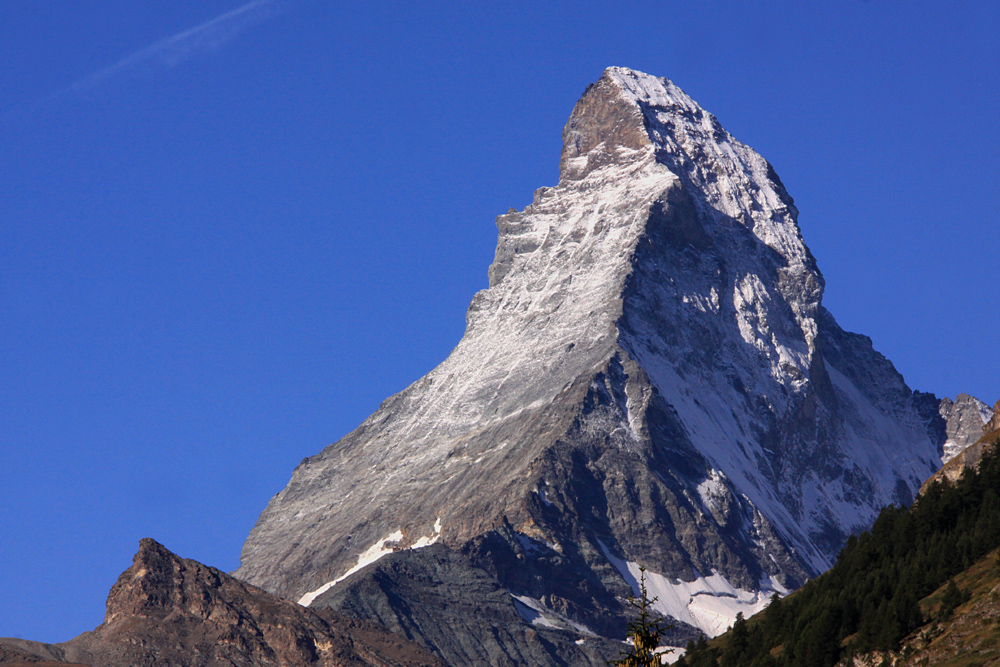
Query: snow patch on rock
[(535, 612), (387, 545), (426, 541), (708, 603)]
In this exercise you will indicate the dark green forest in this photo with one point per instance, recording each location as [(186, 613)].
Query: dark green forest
[(870, 599)]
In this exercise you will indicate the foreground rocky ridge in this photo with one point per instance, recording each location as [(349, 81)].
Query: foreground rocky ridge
[(650, 379), (166, 610)]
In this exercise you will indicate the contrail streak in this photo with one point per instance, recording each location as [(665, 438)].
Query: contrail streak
[(172, 51)]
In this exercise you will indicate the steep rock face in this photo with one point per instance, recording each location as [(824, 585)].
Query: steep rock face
[(166, 610), (965, 418), (650, 379)]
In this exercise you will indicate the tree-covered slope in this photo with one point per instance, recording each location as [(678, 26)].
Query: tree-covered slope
[(887, 583)]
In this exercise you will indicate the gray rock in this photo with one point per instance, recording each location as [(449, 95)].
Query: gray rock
[(965, 420), (437, 598)]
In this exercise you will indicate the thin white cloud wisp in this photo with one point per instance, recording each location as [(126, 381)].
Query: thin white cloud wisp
[(172, 51)]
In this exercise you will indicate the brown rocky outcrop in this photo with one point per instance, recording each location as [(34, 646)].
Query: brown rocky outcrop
[(994, 422), (167, 610)]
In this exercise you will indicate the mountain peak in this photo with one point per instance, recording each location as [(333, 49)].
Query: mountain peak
[(648, 90), (650, 379), (632, 118), (610, 122)]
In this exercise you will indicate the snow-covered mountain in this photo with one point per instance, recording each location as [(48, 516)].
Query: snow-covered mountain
[(650, 380)]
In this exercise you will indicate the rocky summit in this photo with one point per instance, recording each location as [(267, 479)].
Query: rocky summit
[(650, 380), (166, 610)]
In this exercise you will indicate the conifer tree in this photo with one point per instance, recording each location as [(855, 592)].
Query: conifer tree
[(645, 631), (952, 598), (739, 642)]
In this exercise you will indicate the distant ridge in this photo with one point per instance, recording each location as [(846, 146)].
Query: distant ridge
[(166, 610)]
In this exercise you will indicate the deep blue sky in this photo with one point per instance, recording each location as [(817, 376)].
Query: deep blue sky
[(221, 249)]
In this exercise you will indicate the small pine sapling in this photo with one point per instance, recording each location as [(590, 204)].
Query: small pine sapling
[(645, 631)]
